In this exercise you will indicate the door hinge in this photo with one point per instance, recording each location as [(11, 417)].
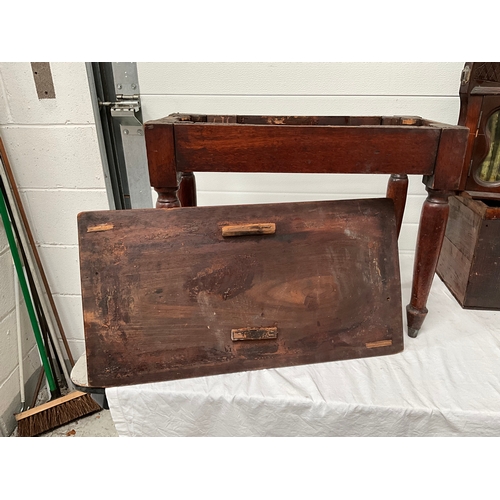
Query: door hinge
[(125, 105)]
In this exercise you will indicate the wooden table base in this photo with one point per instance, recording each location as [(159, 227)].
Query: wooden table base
[(181, 144)]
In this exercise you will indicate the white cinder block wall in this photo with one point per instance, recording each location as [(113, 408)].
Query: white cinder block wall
[(53, 150)]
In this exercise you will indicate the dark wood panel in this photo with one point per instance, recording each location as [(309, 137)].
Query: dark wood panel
[(483, 291), (307, 149), (453, 268), (463, 225), (162, 290), (469, 263), (450, 160), (161, 155)]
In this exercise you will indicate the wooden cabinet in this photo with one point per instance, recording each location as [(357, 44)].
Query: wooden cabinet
[(470, 258)]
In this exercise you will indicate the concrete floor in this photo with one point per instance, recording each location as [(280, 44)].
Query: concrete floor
[(96, 425)]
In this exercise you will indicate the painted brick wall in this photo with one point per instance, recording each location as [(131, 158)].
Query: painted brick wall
[(9, 374), (53, 151)]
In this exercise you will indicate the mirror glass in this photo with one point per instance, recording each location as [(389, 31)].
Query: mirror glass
[(489, 170)]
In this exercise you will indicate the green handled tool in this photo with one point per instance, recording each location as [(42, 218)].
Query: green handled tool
[(55, 393)]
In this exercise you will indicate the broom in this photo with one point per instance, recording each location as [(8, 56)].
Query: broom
[(55, 413), (26, 239), (59, 410)]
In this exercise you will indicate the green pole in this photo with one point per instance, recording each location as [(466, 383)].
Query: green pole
[(26, 293)]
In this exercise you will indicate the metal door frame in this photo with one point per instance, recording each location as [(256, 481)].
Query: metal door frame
[(114, 88)]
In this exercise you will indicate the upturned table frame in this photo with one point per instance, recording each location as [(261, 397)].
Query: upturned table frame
[(181, 144)]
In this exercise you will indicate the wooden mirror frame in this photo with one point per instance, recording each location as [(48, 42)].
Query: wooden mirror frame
[(479, 100)]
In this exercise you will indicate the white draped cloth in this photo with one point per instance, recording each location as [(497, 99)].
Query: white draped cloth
[(446, 382)]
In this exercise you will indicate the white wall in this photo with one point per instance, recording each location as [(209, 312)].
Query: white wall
[(429, 90), (53, 151)]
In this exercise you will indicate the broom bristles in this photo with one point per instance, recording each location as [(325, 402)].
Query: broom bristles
[(55, 413)]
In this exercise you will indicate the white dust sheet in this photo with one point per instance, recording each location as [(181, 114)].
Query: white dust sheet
[(445, 383)]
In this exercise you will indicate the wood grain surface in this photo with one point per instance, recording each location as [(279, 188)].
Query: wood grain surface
[(469, 263), (396, 145), (163, 290), (206, 147)]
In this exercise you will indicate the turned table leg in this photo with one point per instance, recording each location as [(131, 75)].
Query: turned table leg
[(397, 189), (429, 241), (187, 191), (167, 197)]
